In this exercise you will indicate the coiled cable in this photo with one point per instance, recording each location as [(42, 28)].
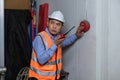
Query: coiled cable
[(23, 74)]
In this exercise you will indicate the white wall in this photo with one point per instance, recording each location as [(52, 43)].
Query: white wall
[(107, 35), (96, 55), (114, 41), (80, 58), (102, 23)]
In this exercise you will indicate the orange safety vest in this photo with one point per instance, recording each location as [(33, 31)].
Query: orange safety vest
[(51, 69)]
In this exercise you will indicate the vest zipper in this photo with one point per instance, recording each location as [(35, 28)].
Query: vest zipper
[(56, 66)]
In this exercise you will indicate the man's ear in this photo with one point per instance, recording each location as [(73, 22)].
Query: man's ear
[(62, 25)]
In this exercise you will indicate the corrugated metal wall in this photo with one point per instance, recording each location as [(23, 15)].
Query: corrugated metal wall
[(96, 55), (107, 38), (80, 58), (114, 40)]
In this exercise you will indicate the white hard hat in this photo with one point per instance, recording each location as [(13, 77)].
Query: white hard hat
[(58, 16)]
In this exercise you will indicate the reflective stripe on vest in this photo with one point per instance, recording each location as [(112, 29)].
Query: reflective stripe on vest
[(45, 41), (45, 73), (48, 63)]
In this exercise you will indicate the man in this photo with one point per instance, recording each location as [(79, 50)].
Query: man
[(46, 59)]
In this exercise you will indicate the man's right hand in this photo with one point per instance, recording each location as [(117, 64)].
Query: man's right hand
[(58, 40)]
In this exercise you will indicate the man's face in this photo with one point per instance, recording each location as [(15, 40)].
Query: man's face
[(54, 26)]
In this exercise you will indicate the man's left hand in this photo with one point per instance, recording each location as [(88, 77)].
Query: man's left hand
[(79, 33)]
